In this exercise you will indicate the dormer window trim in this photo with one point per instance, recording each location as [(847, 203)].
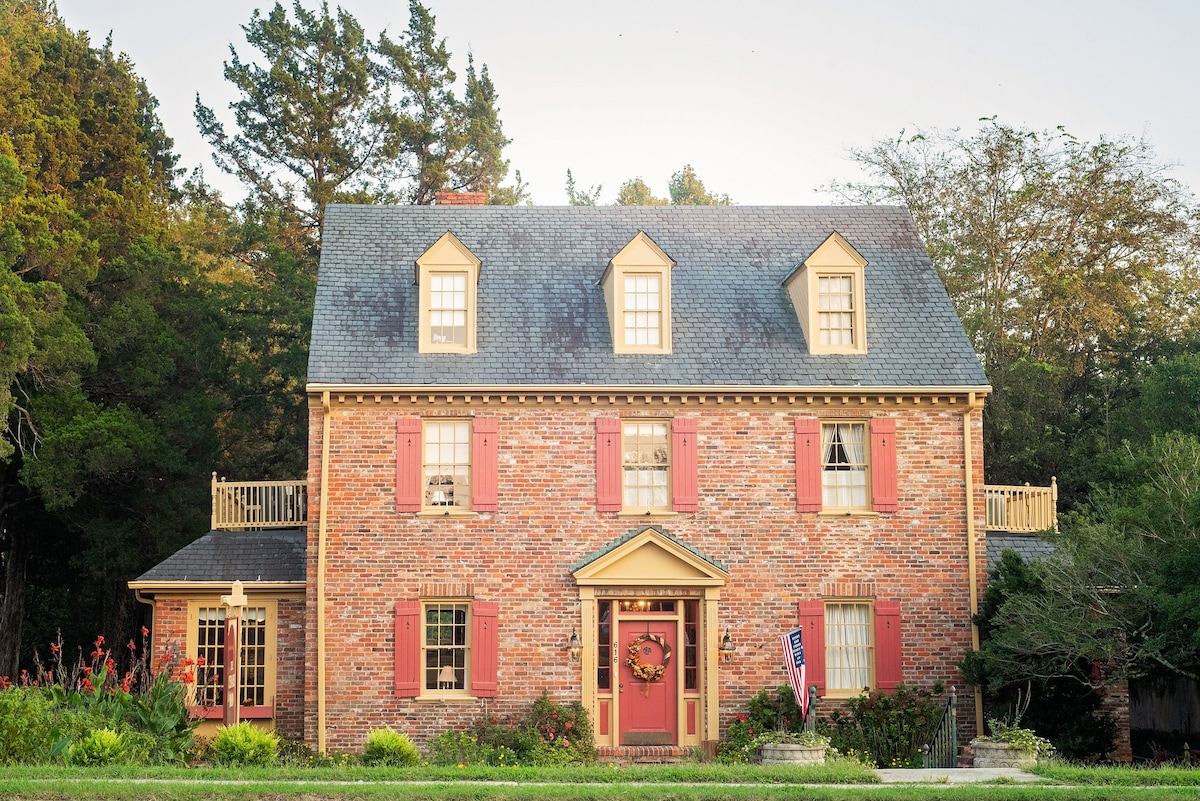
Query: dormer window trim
[(447, 289), (637, 292), (828, 291)]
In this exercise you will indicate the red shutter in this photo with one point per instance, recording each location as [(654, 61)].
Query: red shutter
[(484, 465), (408, 464), (408, 649), (808, 465), (812, 620), (685, 495), (608, 464), (883, 464), (887, 645), (485, 648)]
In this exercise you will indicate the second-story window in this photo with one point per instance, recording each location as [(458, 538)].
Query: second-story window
[(447, 464), (835, 310), (646, 463)]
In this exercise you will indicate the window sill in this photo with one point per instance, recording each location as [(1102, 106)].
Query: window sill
[(449, 699), (649, 514), (431, 513), (843, 695), (843, 513)]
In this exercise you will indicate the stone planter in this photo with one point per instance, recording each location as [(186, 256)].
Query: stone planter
[(791, 754), (1001, 755)]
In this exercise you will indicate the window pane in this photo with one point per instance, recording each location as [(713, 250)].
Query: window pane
[(844, 465), (847, 646), (646, 465), (448, 308), (643, 309), (445, 646), (447, 445), (835, 310)]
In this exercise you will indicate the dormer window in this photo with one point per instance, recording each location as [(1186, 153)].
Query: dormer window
[(637, 290), (447, 275), (827, 291)]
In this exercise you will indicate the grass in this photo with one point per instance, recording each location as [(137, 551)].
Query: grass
[(692, 782)]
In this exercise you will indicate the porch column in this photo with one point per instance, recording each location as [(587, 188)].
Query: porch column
[(233, 604)]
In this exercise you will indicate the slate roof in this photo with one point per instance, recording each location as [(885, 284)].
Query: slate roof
[(542, 318), (1030, 548), (628, 535), (272, 555)]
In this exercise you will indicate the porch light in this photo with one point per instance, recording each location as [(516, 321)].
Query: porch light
[(727, 648), (574, 646)]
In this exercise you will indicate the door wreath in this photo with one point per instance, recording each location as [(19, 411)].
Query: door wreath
[(644, 670)]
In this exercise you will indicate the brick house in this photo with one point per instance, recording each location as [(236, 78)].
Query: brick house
[(672, 428)]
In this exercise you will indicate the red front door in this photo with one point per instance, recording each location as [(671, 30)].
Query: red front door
[(648, 709)]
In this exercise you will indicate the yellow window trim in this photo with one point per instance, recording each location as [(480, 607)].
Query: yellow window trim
[(641, 256), (271, 645), (834, 257), (447, 256), (849, 692)]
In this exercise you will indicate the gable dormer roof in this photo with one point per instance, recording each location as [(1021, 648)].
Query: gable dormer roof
[(542, 320)]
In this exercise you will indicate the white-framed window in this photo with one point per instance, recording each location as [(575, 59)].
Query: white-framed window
[(446, 464), (646, 465), (643, 309), (448, 309), (446, 647), (836, 310), (845, 466), (849, 646)]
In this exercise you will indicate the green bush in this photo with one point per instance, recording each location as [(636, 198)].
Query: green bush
[(391, 749), (452, 748), (763, 714), (24, 726), (891, 727), (99, 747), (245, 744)]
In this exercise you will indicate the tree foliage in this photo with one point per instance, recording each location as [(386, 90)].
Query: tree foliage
[(329, 116), (1061, 256), (106, 420)]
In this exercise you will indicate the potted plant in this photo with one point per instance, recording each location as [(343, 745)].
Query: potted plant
[(790, 748), (1009, 746)]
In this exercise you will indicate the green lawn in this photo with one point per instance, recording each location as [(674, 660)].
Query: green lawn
[(681, 783)]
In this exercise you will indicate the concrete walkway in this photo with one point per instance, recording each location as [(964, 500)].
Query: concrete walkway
[(954, 775)]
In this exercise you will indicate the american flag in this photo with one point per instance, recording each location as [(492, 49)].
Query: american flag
[(793, 655)]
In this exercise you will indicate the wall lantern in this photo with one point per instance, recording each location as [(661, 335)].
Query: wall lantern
[(574, 646), (727, 648)]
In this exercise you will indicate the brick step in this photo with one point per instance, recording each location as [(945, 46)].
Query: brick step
[(644, 754)]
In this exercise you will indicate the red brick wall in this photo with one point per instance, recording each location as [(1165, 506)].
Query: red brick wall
[(520, 556), (170, 642)]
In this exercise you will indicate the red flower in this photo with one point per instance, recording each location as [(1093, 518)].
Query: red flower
[(87, 670), (200, 661), (189, 677), (741, 716), (132, 646), (145, 631), (4, 682), (53, 648), (87, 685), (99, 640)]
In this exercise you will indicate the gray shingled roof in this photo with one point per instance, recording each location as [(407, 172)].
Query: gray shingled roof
[(1030, 548), (542, 317), (628, 535), (271, 555)]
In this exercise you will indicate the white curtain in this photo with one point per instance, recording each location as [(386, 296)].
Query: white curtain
[(847, 646)]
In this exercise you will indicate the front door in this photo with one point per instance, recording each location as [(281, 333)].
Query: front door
[(648, 705)]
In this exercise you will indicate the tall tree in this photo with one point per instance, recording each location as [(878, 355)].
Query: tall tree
[(105, 422), (313, 124), (635, 192), (1060, 255), (582, 197)]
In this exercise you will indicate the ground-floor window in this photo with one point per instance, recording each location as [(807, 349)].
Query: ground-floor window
[(206, 646), (848, 646)]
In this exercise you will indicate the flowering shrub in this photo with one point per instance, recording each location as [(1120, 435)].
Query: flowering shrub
[(764, 715), (548, 734), (60, 706)]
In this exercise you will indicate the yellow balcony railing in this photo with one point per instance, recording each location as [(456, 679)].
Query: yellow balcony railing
[(258, 504), (1022, 509)]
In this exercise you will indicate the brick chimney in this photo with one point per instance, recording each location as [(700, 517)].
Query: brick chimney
[(461, 198)]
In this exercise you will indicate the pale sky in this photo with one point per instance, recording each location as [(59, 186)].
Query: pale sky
[(764, 98)]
